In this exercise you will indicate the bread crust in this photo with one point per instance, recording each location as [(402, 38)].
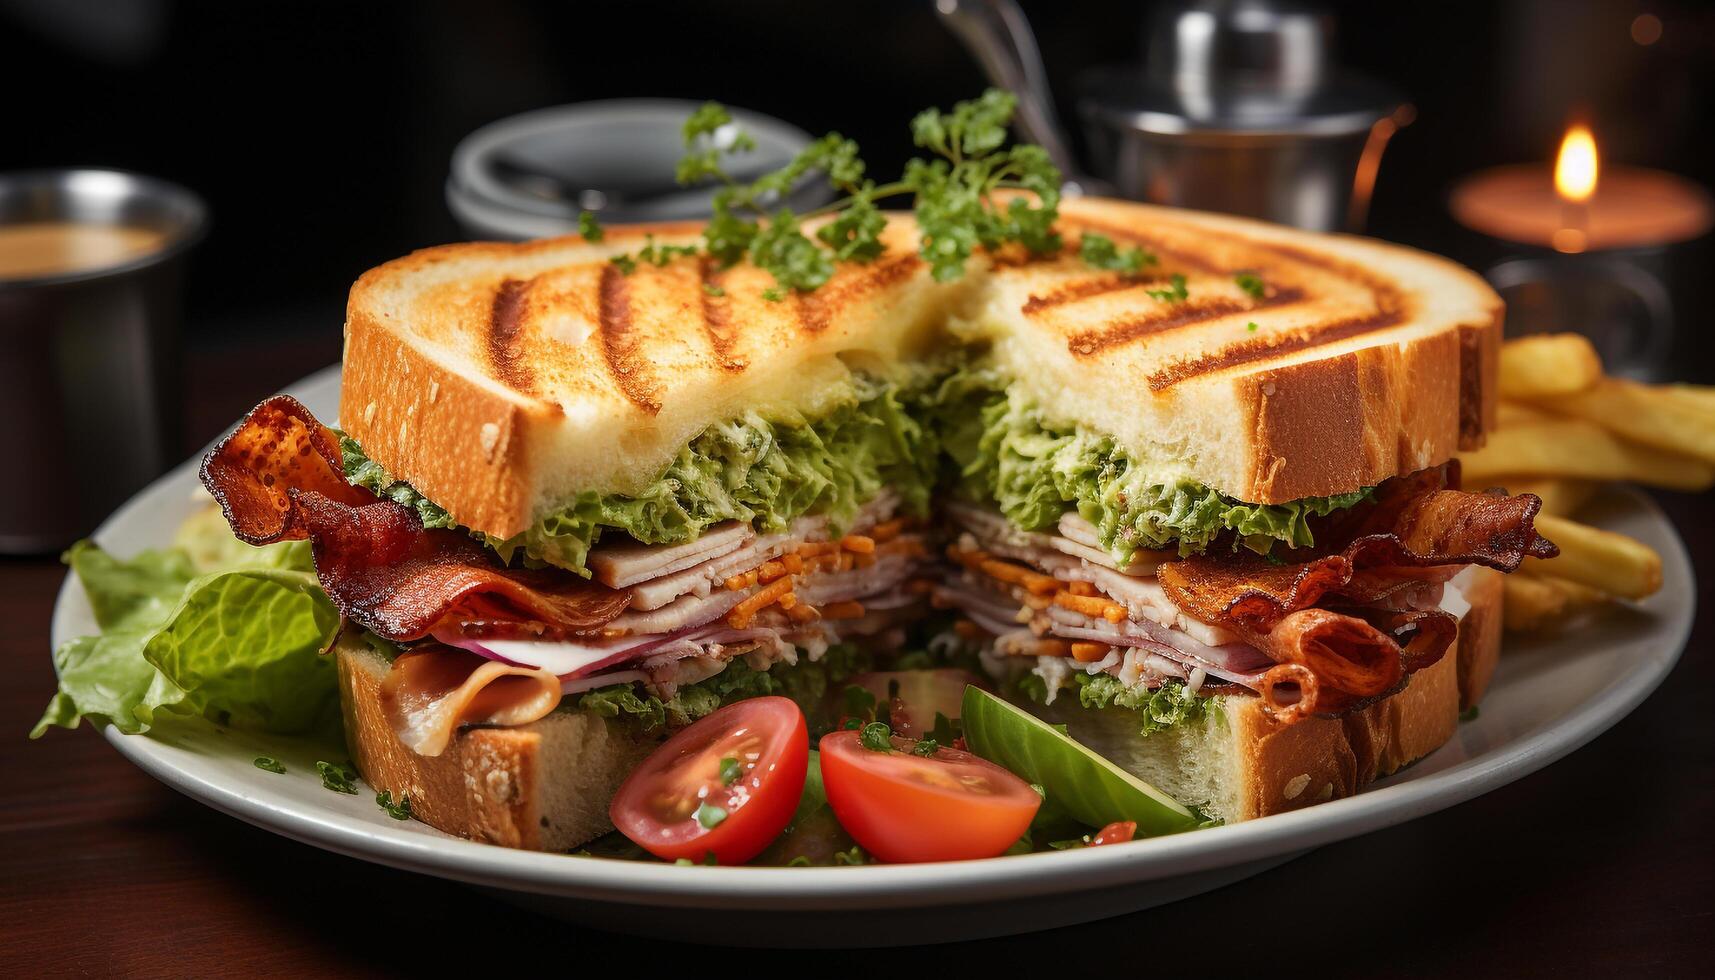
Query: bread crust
[(1480, 634), (541, 786), (1289, 767)]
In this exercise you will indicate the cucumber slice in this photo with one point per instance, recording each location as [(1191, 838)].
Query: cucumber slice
[(1079, 782)]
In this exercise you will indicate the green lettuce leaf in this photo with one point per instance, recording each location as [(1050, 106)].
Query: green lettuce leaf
[(765, 472), (1157, 710), (1006, 453), (239, 645), (362, 471)]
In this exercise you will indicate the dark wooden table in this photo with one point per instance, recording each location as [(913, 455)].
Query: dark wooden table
[(1603, 864)]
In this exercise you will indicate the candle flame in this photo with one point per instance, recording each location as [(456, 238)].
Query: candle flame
[(1575, 168)]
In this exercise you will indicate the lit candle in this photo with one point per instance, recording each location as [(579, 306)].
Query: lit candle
[(1574, 182), (1568, 209)]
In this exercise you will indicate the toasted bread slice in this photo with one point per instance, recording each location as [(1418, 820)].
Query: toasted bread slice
[(1366, 360), (542, 786), (502, 379)]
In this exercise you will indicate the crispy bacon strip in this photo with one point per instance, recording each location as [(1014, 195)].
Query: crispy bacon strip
[(277, 477), (278, 448), (433, 689), (1414, 531), (387, 573), (1418, 530)]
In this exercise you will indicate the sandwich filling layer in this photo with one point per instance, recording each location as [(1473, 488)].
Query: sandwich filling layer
[(768, 538)]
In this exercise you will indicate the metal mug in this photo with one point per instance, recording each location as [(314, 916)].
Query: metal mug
[(90, 362)]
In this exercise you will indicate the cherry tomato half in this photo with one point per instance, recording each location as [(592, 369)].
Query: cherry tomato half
[(904, 807), (1117, 832), (725, 785)]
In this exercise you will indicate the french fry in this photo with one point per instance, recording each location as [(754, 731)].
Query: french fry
[(1561, 495), (1576, 448), (1700, 395), (1548, 364), (1650, 416), (1578, 595), (1537, 602), (1603, 560), (1529, 604), (1511, 414)]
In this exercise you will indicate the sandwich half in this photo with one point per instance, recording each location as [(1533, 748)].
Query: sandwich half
[(1204, 515)]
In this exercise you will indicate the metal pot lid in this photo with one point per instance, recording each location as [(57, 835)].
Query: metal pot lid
[(1237, 66)]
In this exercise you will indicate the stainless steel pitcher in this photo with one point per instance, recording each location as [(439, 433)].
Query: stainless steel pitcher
[(1237, 107)]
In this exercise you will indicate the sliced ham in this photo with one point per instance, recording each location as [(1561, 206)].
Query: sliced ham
[(432, 690), (702, 578), (628, 562), (684, 612), (658, 574), (887, 572)]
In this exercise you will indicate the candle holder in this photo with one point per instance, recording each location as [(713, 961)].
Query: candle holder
[(1620, 300), (1598, 261)]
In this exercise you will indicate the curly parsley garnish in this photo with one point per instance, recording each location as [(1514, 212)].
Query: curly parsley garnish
[(710, 816), (876, 737), (1252, 284), (731, 771), (398, 811), (1174, 293), (1101, 252), (954, 194), (589, 227), (338, 777)]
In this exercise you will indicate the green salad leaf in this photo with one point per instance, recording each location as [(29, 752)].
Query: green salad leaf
[(1157, 710), (238, 644), (1006, 452), (762, 471)]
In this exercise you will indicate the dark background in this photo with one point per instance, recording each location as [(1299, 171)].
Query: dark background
[(320, 133)]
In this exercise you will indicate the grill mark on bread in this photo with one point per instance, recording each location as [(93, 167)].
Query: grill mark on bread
[(1276, 345), (505, 324), (1182, 314), (717, 316), (1084, 289), (811, 310), (619, 347), (815, 309)]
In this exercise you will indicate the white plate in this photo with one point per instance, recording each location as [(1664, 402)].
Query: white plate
[(1549, 697)]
